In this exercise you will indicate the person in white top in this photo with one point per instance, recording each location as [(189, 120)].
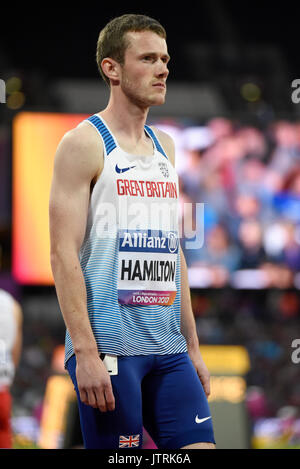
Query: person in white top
[(10, 351), (133, 59)]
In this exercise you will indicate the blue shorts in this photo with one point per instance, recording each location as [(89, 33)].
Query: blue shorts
[(161, 393)]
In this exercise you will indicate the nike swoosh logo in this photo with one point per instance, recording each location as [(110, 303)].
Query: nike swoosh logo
[(123, 170), (201, 420)]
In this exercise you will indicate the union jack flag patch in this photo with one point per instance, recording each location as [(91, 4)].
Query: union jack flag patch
[(129, 441)]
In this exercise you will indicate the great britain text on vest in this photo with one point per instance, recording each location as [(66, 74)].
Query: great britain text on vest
[(136, 188)]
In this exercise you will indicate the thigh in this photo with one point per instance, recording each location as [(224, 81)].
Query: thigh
[(175, 408), (122, 428)]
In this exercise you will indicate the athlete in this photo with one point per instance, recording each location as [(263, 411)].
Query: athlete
[(132, 349), (10, 350)]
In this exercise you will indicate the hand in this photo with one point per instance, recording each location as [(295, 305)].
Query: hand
[(201, 368), (94, 383)]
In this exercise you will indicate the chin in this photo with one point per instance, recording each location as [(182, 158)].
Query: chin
[(158, 100)]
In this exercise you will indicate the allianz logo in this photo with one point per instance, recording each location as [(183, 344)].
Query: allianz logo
[(168, 241)]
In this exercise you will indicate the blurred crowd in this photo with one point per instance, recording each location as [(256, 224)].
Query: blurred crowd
[(265, 322), (249, 182)]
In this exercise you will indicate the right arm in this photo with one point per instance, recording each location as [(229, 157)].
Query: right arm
[(77, 163)]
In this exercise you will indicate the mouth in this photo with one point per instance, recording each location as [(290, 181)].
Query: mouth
[(160, 85)]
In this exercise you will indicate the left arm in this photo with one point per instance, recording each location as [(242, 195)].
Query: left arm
[(188, 328), (188, 325)]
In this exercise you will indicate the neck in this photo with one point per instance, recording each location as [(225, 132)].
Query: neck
[(125, 117)]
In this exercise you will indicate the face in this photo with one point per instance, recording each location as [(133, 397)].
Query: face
[(144, 73)]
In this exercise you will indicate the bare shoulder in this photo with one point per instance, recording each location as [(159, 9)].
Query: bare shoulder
[(80, 150), (167, 143)]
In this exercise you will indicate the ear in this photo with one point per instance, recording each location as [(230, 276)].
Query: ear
[(111, 69)]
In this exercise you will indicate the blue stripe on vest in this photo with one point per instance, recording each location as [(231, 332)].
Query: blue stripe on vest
[(109, 142), (156, 142)]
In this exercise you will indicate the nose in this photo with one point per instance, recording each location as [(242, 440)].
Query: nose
[(162, 70)]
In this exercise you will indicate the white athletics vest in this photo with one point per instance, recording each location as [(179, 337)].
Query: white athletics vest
[(7, 338), (130, 254)]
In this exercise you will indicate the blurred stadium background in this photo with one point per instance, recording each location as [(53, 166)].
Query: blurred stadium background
[(230, 111)]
